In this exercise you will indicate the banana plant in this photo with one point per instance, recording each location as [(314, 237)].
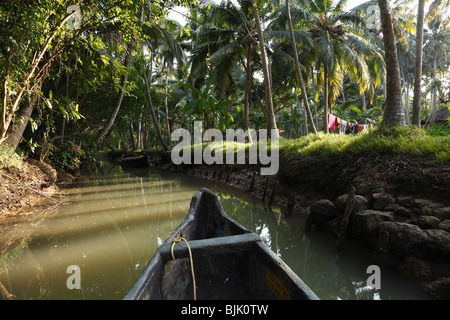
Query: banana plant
[(204, 105)]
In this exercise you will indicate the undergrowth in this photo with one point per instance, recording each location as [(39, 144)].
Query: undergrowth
[(9, 157)]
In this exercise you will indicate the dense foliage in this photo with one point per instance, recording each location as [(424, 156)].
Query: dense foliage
[(126, 76)]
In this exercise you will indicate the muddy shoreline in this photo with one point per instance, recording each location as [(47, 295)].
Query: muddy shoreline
[(31, 185)]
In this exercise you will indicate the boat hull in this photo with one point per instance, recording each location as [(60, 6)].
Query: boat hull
[(135, 161), (230, 262)]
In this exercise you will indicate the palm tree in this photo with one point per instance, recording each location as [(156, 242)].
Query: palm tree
[(240, 22), (436, 47), (271, 123), (156, 36), (418, 64), (169, 55), (297, 68), (404, 24), (406, 61), (393, 111), (225, 42), (340, 46), (433, 10)]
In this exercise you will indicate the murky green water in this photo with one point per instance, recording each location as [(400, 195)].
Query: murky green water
[(111, 226)]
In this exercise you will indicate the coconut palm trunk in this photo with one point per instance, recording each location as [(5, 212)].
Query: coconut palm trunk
[(325, 99), (434, 94), (248, 90), (298, 71), (393, 111), (166, 98), (418, 64), (271, 123)]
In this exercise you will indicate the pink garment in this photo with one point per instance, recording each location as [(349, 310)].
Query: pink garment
[(331, 121)]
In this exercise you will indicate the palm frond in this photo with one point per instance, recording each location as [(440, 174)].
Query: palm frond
[(340, 6), (355, 65), (302, 37), (227, 13), (225, 52), (325, 48), (433, 10), (347, 18), (300, 15), (156, 35), (336, 82)]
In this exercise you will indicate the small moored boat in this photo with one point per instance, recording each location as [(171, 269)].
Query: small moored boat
[(134, 160), (229, 262)]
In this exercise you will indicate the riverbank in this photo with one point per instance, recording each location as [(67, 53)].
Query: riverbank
[(30, 185), (401, 208)]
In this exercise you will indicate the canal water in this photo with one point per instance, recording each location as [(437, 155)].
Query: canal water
[(110, 225)]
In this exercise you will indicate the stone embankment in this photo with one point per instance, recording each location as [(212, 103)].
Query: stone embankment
[(409, 234)]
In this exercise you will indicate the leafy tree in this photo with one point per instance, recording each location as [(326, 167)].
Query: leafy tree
[(123, 82), (34, 35), (207, 106)]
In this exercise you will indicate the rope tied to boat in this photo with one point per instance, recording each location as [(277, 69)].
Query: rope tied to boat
[(178, 240)]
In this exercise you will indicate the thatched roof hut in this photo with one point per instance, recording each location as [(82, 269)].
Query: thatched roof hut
[(440, 119)]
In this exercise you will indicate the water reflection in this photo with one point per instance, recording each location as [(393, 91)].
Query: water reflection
[(111, 225), (313, 257)]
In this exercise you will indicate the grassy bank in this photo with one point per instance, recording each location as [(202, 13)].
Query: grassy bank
[(400, 140)]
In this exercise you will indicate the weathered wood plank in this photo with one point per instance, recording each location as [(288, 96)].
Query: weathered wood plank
[(221, 245)]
